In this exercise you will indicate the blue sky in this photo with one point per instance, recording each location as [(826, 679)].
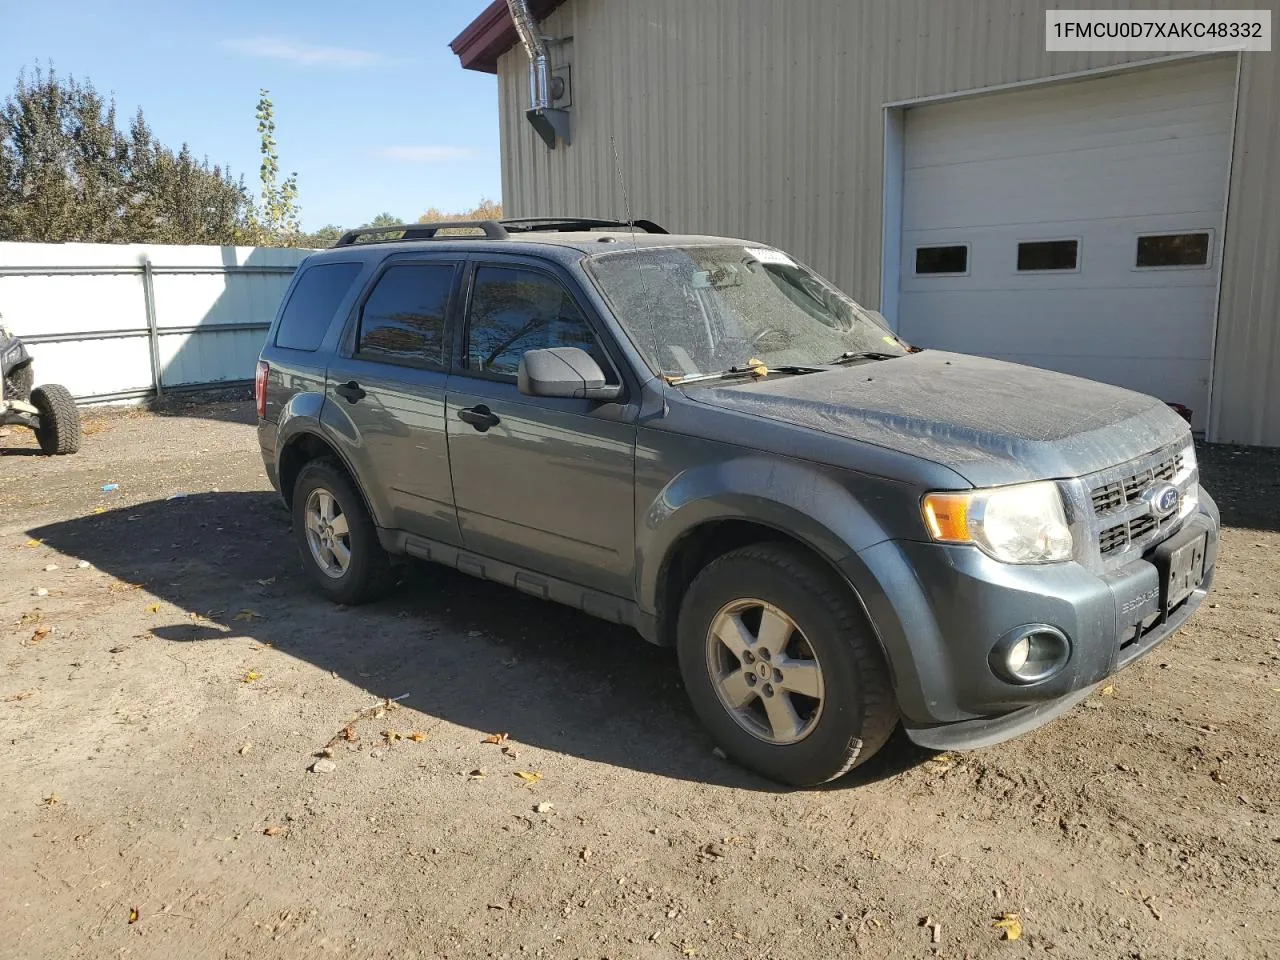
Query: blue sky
[(372, 108)]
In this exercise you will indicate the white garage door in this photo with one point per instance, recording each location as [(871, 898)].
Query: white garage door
[(1074, 226)]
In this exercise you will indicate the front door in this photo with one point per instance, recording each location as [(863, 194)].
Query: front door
[(389, 387), (542, 483)]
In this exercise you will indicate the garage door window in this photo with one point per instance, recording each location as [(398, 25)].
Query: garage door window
[(1041, 255), (951, 260), (1174, 250)]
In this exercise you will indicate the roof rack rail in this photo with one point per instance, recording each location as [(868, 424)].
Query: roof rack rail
[(576, 223), (492, 229)]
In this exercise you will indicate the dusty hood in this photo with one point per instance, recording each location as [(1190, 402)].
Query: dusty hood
[(990, 421)]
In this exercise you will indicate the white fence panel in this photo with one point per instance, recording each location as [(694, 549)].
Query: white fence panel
[(116, 321)]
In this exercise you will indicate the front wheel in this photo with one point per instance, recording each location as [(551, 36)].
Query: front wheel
[(782, 667), (336, 537), (59, 430)]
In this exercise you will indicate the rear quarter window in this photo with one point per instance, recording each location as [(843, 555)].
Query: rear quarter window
[(312, 304)]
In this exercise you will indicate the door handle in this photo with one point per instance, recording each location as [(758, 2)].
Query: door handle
[(350, 391), (479, 416)]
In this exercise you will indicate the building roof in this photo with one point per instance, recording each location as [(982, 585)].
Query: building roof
[(492, 34)]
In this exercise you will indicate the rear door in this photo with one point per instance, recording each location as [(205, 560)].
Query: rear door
[(388, 385), (545, 483)]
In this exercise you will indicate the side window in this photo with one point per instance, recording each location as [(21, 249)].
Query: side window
[(514, 310), (312, 304), (403, 318)]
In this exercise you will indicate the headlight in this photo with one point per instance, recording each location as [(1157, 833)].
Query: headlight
[(1019, 524)]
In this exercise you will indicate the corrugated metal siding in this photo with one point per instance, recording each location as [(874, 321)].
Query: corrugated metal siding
[(197, 290), (764, 119)]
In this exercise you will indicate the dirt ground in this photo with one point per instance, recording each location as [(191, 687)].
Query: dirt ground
[(162, 706)]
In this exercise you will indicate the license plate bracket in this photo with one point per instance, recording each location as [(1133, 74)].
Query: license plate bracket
[(1182, 569)]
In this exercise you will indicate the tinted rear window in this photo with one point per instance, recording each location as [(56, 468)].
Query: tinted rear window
[(403, 319), (311, 307)]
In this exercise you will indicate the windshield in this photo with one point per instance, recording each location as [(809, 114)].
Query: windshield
[(701, 310)]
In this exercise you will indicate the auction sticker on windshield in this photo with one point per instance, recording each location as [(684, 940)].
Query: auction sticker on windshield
[(765, 255)]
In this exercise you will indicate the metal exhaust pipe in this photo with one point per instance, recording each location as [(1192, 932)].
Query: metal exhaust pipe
[(548, 121)]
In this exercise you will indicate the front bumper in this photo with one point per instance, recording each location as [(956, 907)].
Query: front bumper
[(939, 609)]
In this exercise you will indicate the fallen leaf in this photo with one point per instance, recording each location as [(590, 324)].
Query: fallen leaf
[(40, 634), (476, 774), (417, 736), (247, 614), (1217, 777), (758, 367), (349, 733), (31, 616), (1108, 690), (34, 543), (529, 776), (1010, 927), (99, 509), (689, 951), (244, 748), (251, 676), (133, 914), (273, 831), (391, 736), (267, 582), (23, 695), (51, 799), (496, 738), (153, 608), (544, 807), (510, 752)]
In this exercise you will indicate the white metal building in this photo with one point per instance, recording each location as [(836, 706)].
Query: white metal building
[(1113, 215)]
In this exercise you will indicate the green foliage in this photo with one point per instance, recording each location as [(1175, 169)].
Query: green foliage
[(67, 172), (275, 220), (384, 220), (326, 236)]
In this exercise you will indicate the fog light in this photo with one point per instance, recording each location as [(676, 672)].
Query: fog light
[(1030, 653)]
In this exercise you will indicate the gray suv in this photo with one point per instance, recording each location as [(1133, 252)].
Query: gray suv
[(703, 439)]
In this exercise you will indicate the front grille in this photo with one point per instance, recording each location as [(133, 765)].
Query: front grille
[(1122, 534), (1120, 493)]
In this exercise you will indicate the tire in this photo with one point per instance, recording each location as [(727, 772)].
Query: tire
[(834, 732), (59, 430), (368, 573), (18, 382)]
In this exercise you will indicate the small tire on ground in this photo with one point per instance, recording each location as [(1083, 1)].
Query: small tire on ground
[(18, 382), (370, 574), (59, 430), (859, 711)]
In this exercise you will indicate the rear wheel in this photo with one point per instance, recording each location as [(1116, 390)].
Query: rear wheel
[(782, 666), (59, 430), (336, 537), (18, 382)]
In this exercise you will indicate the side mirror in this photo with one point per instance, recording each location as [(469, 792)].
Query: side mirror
[(564, 372)]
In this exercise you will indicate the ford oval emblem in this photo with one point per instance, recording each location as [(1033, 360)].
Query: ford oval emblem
[(1162, 499)]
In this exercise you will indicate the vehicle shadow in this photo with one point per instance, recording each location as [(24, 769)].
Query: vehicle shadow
[(1244, 482), (465, 651)]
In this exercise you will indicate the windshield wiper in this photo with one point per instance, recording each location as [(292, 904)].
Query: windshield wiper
[(849, 356), (737, 371)]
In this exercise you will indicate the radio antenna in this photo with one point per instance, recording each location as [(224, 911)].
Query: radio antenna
[(626, 200)]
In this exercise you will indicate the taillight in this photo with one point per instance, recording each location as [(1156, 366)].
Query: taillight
[(260, 388)]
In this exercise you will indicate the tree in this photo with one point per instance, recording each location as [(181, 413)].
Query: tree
[(67, 172), (275, 221), (384, 220), (326, 236), (486, 209)]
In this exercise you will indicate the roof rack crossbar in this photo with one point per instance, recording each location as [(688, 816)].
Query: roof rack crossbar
[(492, 229)]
